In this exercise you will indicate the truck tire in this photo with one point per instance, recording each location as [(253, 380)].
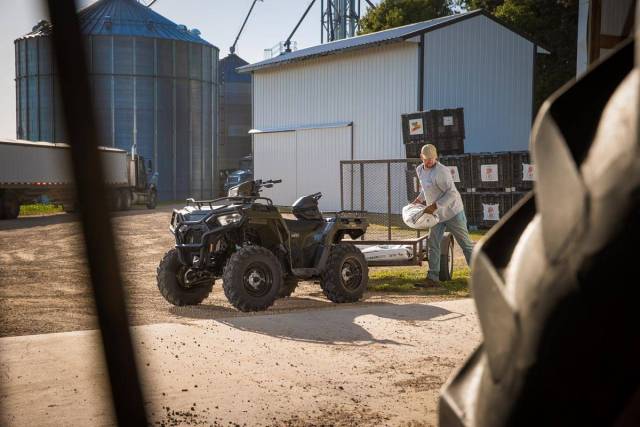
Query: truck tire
[(125, 199), (10, 205), (170, 277), (289, 284), (446, 257), (252, 278), (346, 275), (553, 281), (153, 200)]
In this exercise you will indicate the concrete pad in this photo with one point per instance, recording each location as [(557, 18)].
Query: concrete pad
[(356, 364)]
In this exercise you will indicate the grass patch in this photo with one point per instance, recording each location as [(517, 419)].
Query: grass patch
[(402, 280), (40, 209)]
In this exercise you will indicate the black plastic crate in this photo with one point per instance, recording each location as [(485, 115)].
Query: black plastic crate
[(491, 171), (522, 171), (516, 196), (468, 200), (445, 124), (489, 208), (449, 146), (414, 128), (413, 150), (460, 166)]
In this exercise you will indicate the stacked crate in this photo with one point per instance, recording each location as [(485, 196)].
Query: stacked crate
[(442, 128)]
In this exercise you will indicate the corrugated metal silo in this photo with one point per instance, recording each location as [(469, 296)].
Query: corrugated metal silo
[(235, 113), (155, 85)]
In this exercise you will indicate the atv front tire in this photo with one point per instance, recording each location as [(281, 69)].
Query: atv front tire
[(252, 279), (346, 274), (171, 282)]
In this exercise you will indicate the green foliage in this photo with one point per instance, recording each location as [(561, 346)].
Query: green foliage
[(396, 13), (551, 23), (403, 279), (39, 209)]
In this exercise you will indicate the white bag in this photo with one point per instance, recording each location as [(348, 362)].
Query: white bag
[(415, 217)]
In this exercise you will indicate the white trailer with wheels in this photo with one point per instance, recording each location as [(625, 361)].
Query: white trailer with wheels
[(29, 170)]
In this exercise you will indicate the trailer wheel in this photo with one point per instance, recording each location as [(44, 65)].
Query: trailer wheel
[(153, 200), (446, 257), (10, 205), (125, 198)]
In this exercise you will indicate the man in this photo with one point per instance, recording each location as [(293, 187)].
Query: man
[(440, 195)]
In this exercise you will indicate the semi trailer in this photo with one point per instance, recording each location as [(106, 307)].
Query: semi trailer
[(30, 170)]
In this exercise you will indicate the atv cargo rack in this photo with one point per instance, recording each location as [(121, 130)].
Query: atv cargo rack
[(201, 203)]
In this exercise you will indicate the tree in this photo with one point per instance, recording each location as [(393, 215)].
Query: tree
[(551, 23), (396, 13)]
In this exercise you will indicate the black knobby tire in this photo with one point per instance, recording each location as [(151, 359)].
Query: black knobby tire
[(153, 200), (252, 278), (446, 258), (289, 284), (125, 196), (346, 274), (172, 286)]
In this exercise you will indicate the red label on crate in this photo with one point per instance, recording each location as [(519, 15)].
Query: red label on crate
[(528, 172), (489, 173), (416, 127), (490, 212), (455, 176)]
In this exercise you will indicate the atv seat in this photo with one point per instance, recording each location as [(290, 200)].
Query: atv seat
[(303, 226)]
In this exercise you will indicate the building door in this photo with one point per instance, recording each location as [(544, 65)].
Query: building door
[(307, 160)]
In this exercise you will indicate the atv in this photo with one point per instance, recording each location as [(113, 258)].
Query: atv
[(261, 256)]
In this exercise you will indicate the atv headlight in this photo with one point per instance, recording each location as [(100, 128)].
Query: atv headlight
[(229, 219)]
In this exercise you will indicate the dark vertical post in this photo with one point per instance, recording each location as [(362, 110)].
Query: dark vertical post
[(595, 22), (341, 186), (89, 182), (534, 75), (362, 189), (421, 73), (389, 200)]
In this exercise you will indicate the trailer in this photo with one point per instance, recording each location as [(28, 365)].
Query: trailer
[(30, 170)]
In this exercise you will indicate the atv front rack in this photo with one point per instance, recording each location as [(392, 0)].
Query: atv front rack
[(210, 203)]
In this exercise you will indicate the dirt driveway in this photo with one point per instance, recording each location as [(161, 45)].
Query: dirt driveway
[(395, 350), (44, 280)]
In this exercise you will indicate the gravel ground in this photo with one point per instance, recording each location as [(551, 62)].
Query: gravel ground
[(44, 280)]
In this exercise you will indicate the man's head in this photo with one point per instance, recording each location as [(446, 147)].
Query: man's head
[(429, 155)]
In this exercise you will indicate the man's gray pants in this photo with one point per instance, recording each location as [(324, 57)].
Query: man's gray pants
[(456, 226)]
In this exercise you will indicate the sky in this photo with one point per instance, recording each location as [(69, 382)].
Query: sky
[(218, 20)]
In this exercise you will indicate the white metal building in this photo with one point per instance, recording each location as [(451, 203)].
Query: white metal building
[(343, 100)]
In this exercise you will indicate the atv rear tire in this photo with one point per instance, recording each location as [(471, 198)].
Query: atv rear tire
[(252, 279), (171, 285), (289, 284), (346, 274)]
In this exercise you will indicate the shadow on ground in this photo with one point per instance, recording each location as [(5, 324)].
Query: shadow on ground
[(338, 326)]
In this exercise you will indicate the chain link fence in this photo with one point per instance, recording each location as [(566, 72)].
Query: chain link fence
[(382, 188)]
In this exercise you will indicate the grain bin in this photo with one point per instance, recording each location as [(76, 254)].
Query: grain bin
[(154, 84)]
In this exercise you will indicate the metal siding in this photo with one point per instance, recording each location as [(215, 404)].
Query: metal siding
[(123, 55), (164, 55), (182, 155), (144, 57), (44, 56), (207, 143), (317, 151), (371, 88), (101, 55), (23, 97), (102, 88), (123, 112), (274, 155), (33, 133), (32, 57), (195, 99), (195, 61), (46, 108), (145, 123), (165, 139), (486, 69)]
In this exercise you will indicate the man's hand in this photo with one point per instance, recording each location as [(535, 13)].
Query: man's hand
[(431, 208)]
